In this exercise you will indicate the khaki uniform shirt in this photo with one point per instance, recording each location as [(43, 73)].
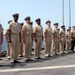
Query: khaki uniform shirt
[(38, 30), (48, 31), (55, 33), (27, 29), (68, 36), (15, 28), (62, 34)]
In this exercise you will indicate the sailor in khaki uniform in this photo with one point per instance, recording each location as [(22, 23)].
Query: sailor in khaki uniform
[(73, 38), (31, 23), (47, 38), (27, 32), (1, 38), (8, 43), (62, 39), (21, 42), (59, 43), (55, 39), (15, 29), (38, 37), (68, 40)]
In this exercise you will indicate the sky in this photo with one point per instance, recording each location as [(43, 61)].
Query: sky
[(44, 9)]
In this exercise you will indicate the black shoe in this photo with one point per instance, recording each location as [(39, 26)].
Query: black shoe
[(26, 60), (1, 59), (49, 56), (8, 58), (21, 56), (56, 54), (12, 63), (30, 60), (64, 53), (0, 65), (31, 54), (39, 58), (17, 62)]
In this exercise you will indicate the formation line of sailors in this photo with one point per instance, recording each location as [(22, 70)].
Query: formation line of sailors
[(20, 38)]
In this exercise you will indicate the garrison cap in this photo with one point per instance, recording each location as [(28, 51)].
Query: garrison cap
[(38, 19), (31, 23), (16, 14), (62, 26), (58, 29), (48, 21), (27, 18), (73, 26), (55, 24), (68, 29), (10, 21), (21, 24)]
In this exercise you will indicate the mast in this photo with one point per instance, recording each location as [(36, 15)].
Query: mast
[(63, 12), (69, 14)]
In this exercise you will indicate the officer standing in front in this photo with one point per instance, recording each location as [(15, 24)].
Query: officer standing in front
[(27, 32), (15, 29), (55, 39), (38, 37), (48, 38)]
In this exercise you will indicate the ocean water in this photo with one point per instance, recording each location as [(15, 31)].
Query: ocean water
[(4, 44)]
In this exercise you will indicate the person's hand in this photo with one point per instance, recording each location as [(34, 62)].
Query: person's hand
[(35, 40), (9, 40)]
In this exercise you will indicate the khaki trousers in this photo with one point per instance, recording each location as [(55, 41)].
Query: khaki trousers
[(68, 44), (47, 45), (61, 45), (28, 46), (15, 45), (37, 47), (55, 45)]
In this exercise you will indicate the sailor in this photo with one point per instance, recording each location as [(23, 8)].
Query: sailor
[(55, 39), (38, 36), (15, 29), (48, 38)]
